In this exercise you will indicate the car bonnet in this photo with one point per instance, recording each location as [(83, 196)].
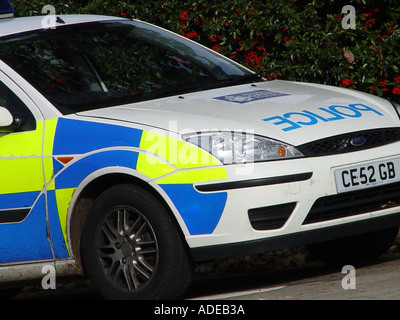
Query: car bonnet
[(293, 112)]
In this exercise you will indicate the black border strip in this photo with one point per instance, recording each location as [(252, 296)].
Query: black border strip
[(270, 244), (13, 215), (254, 182)]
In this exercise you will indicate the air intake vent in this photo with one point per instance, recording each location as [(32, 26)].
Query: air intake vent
[(355, 202), (272, 217)]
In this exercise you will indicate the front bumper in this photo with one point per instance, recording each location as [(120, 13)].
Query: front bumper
[(273, 205), (283, 241)]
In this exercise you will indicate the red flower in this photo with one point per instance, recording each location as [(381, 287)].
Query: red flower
[(199, 21), (191, 35), (216, 47), (338, 17), (184, 15), (253, 57), (396, 90), (346, 82)]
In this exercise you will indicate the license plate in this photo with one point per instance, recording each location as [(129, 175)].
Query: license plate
[(367, 175)]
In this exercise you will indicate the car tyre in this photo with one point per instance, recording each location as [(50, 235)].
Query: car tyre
[(132, 249), (355, 249)]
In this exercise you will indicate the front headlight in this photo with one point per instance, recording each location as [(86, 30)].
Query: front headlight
[(238, 147)]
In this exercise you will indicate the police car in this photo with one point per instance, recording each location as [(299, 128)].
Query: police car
[(128, 153)]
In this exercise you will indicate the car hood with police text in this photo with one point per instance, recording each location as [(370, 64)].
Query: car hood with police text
[(292, 112)]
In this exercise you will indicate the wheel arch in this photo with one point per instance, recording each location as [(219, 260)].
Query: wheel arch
[(85, 197)]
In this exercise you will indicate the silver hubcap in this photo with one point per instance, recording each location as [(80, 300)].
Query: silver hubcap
[(127, 249)]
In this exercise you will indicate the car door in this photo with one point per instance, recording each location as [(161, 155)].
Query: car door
[(23, 223)]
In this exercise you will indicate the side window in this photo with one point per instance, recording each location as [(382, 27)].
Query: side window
[(23, 118)]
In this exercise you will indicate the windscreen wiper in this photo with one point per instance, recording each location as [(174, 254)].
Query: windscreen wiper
[(202, 85), (243, 79)]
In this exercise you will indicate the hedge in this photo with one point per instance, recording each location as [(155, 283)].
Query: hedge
[(302, 40)]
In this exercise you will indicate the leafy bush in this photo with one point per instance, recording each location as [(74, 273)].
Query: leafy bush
[(295, 40)]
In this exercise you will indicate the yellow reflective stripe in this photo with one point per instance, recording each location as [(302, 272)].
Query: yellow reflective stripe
[(192, 176), (22, 144), (178, 153), (21, 167), (151, 166), (48, 141), (49, 133), (63, 198), (21, 175)]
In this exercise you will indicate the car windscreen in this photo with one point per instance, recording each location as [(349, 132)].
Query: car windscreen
[(94, 65)]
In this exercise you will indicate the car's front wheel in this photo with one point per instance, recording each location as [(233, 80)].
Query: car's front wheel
[(131, 247), (355, 249)]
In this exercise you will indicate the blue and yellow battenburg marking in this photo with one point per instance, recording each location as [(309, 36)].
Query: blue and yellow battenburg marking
[(23, 238), (74, 149)]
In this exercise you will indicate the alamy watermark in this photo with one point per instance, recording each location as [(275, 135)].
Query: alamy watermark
[(49, 279), (349, 20), (349, 280), (49, 21)]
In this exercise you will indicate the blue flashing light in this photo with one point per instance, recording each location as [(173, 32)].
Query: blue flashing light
[(6, 9)]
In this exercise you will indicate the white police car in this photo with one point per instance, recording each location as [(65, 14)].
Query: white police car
[(128, 152)]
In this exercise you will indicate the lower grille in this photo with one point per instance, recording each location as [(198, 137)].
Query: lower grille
[(272, 217), (355, 202)]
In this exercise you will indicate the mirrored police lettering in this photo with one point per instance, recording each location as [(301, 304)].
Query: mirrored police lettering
[(295, 120)]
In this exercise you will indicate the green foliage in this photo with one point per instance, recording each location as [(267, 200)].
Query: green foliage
[(294, 40)]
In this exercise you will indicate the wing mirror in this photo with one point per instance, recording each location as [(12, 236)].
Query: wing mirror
[(6, 120)]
